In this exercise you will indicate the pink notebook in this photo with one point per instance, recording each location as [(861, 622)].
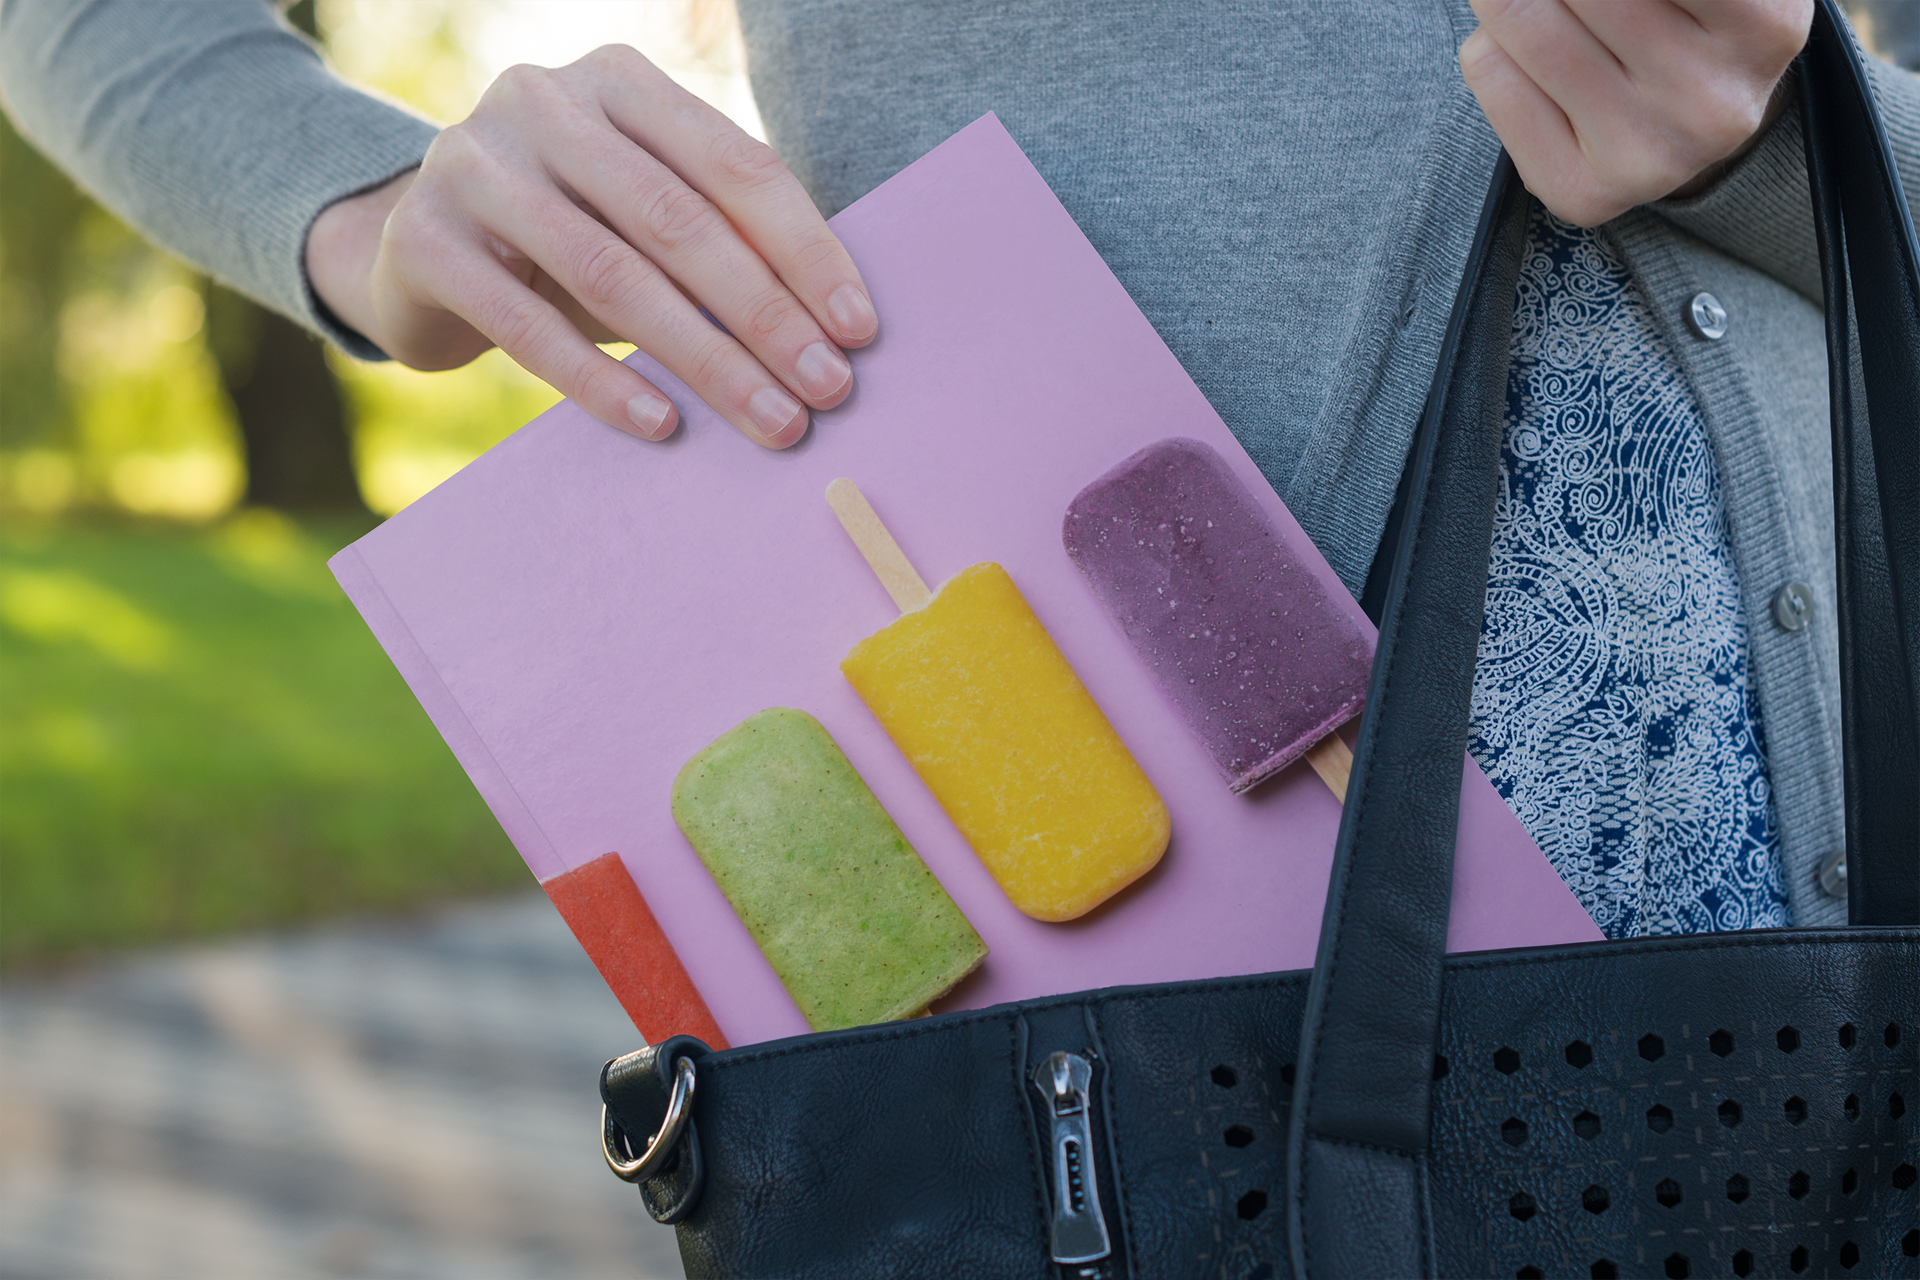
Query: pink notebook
[(580, 612)]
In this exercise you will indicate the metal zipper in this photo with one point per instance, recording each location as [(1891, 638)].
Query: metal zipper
[(1080, 1240)]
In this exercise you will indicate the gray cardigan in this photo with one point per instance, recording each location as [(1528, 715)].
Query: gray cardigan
[(1286, 190), (210, 125)]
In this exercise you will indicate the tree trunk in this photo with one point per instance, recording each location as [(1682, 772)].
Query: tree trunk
[(291, 420), (291, 417)]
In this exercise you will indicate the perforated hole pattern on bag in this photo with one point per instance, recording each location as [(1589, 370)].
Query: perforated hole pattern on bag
[(1581, 1117), (1758, 1149)]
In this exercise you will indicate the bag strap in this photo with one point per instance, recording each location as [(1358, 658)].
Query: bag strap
[(1357, 1203), (1362, 1082), (1873, 372)]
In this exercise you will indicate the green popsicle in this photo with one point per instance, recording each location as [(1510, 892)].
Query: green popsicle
[(836, 899)]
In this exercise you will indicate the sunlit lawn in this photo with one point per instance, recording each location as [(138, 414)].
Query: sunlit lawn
[(197, 734)]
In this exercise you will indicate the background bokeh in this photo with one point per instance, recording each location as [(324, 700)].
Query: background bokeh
[(197, 734), (199, 737)]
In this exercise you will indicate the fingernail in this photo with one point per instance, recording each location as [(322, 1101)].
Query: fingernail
[(852, 313), (822, 370), (777, 414), (652, 416)]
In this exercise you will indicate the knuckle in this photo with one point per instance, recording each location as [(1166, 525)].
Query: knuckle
[(463, 153), (676, 215), (521, 96), (603, 274), (767, 316), (518, 326), (454, 147), (822, 251), (519, 81), (619, 59), (746, 162), (600, 382)]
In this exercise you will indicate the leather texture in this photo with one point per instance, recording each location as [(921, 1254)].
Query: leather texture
[(1864, 232), (1374, 1003), (911, 1149), (1743, 1103)]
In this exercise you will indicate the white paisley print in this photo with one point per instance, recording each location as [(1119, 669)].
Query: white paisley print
[(1612, 707)]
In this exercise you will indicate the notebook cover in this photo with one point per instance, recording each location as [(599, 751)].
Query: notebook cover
[(580, 612)]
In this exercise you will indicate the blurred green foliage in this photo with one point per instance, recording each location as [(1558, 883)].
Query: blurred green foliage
[(37, 221), (110, 399), (107, 395), (200, 735), (197, 732)]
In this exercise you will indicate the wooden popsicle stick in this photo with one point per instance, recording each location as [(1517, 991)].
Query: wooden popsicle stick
[(1332, 759), (884, 556)]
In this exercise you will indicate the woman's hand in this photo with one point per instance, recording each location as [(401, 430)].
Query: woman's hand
[(601, 201), (1607, 104)]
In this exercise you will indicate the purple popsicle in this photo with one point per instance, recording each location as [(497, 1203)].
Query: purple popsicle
[(1247, 643)]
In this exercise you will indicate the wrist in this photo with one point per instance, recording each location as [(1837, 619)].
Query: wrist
[(1777, 103), (343, 244)]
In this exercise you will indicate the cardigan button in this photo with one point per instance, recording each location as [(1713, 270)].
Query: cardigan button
[(1793, 606), (1707, 317), (1833, 874)]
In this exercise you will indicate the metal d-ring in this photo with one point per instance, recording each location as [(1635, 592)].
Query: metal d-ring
[(661, 1144)]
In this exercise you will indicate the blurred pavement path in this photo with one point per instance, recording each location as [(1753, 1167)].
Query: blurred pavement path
[(393, 1099)]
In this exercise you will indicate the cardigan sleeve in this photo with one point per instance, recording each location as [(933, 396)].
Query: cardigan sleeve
[(1761, 212), (210, 126)]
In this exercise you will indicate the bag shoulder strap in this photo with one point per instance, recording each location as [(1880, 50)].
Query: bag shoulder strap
[(1873, 374), (1363, 1085), (1361, 1094)]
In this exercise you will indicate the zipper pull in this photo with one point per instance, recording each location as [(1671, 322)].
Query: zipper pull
[(1079, 1228)]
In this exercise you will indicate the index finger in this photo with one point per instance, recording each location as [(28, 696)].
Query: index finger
[(760, 196)]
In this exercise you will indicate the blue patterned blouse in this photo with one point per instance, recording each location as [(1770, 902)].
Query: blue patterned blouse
[(1613, 707)]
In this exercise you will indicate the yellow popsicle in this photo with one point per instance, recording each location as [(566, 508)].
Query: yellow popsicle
[(980, 700)]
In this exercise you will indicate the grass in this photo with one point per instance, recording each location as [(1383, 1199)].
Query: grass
[(199, 735)]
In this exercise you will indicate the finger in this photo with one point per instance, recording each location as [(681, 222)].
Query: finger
[(689, 238), (578, 316), (1772, 31), (1648, 36), (1652, 96), (751, 186), (1628, 150), (634, 298), (1555, 50), (542, 341), (1709, 83), (1537, 134)]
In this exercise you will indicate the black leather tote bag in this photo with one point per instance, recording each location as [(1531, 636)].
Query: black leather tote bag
[(1725, 1104)]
